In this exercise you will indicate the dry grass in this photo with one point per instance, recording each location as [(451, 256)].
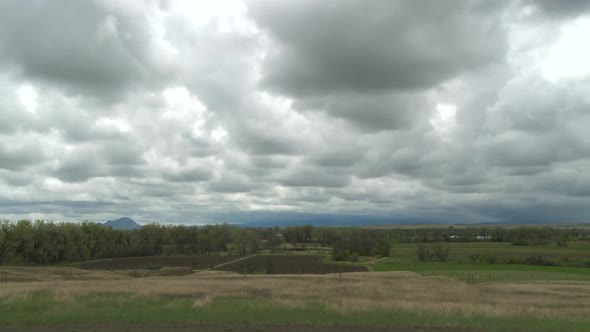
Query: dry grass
[(29, 274), (356, 292)]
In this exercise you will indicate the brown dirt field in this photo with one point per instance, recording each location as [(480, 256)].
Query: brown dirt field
[(288, 264), (154, 262), (32, 274), (187, 327)]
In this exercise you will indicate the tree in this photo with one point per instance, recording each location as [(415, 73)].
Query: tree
[(6, 233), (152, 238), (274, 241), (245, 241), (421, 253), (440, 253)]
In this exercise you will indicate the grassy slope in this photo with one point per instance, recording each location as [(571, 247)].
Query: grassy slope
[(42, 309), (362, 299)]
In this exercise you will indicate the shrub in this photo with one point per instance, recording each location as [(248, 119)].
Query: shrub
[(435, 252), (513, 260), (537, 260), (474, 257), (489, 259)]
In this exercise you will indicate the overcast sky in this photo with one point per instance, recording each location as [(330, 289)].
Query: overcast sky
[(459, 111)]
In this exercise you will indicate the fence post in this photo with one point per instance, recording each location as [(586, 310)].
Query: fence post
[(245, 273), (340, 275)]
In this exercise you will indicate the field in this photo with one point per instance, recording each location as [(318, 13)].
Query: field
[(288, 264), (574, 254), (401, 300), (302, 292), (257, 264), (459, 265), (151, 263)]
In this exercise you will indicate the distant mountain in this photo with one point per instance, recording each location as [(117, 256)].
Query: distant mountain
[(123, 223), (281, 219)]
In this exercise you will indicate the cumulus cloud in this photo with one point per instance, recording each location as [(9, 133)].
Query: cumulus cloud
[(372, 68), (560, 9), (353, 46), (91, 47), (459, 111)]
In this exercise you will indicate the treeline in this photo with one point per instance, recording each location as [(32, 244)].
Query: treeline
[(516, 235), (41, 242), (440, 253)]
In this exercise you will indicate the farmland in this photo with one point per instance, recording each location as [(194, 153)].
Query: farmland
[(393, 299), (288, 264), (223, 278), (156, 262), (576, 253), (564, 263)]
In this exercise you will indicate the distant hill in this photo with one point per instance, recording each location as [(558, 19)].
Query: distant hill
[(122, 223), (282, 219)]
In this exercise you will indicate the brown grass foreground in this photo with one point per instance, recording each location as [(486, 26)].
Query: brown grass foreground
[(354, 292)]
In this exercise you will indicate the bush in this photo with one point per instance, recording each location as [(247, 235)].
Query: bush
[(537, 260), (513, 260), (474, 257), (489, 259), (435, 252)]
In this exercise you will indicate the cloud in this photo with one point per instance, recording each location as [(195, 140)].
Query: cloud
[(372, 69), (302, 177), (18, 157), (538, 122), (328, 47), (561, 9), (205, 112), (93, 47)]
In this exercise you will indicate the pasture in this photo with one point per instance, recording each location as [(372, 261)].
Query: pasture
[(576, 253), (304, 291), (569, 262), (392, 300)]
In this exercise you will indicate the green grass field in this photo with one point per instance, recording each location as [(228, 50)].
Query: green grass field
[(455, 295), (574, 251), (41, 308), (459, 265), (485, 272)]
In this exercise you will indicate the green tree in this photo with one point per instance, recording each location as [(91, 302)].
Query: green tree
[(6, 238)]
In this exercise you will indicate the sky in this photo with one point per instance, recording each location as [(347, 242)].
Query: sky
[(202, 111)]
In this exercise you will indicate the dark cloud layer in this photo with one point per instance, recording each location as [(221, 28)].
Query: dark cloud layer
[(360, 61), (352, 46), (561, 9)]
